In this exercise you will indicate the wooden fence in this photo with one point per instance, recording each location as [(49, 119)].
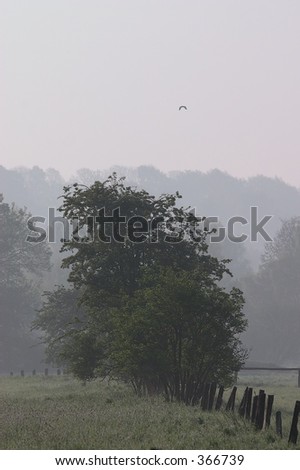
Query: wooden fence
[(45, 372), (256, 408)]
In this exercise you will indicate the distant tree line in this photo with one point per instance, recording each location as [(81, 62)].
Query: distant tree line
[(271, 294), (21, 266)]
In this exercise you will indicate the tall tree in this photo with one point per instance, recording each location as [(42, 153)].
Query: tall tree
[(121, 267), (21, 265)]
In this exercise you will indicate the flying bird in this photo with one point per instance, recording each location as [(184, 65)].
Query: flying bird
[(182, 107)]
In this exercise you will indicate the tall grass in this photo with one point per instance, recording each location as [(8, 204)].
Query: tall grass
[(59, 413)]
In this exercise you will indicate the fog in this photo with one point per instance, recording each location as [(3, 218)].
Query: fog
[(270, 288), (100, 84), (96, 88)]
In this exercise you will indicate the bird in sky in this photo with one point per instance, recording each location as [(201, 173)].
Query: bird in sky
[(182, 107)]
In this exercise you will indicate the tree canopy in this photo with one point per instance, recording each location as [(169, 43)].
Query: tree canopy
[(155, 314)]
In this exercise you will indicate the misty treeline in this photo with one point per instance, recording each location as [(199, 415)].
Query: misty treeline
[(266, 273), (21, 266)]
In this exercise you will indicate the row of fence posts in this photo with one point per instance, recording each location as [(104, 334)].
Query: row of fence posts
[(255, 408), (34, 372)]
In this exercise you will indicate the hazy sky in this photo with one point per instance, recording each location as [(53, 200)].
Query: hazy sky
[(95, 83)]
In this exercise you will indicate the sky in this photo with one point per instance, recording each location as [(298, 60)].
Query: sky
[(97, 83)]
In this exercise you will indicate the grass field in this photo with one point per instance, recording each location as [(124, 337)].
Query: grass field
[(60, 413)]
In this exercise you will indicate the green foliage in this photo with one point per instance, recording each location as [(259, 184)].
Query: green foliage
[(82, 354), (70, 342), (154, 314), (21, 266), (179, 330), (17, 256), (108, 270)]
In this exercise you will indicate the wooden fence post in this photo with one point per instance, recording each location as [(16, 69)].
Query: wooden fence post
[(34, 372), (254, 409), (212, 393), (231, 401), (278, 423), (259, 421), (248, 403), (219, 398), (22, 373), (294, 428), (269, 409), (242, 407)]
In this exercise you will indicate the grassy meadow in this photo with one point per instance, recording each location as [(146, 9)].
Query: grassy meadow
[(60, 413)]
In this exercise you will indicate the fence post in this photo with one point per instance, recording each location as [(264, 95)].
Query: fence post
[(269, 410), (278, 423), (231, 401), (294, 429), (242, 407), (248, 403), (254, 409), (22, 373), (219, 398), (212, 393), (259, 421)]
